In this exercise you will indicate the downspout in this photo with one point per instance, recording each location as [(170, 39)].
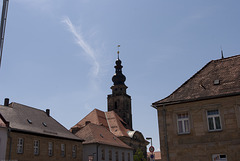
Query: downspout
[(10, 144), (97, 151), (165, 131)]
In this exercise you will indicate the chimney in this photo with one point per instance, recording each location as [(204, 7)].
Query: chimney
[(48, 112), (6, 102)]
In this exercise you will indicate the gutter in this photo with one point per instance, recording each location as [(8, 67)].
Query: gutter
[(156, 105), (10, 144), (165, 131), (46, 135)]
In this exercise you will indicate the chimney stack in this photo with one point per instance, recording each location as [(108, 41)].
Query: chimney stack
[(48, 112), (6, 102)]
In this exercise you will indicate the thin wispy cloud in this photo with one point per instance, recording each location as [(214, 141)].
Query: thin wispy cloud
[(84, 45)]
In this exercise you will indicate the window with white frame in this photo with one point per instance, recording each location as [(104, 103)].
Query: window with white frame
[(219, 157), (36, 147), (63, 150), (50, 149), (20, 146), (214, 122), (74, 151), (183, 123)]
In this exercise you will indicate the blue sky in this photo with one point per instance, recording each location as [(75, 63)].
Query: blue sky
[(60, 54)]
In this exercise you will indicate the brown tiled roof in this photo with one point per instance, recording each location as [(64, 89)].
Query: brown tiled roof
[(218, 78), (110, 120), (31, 120), (93, 133)]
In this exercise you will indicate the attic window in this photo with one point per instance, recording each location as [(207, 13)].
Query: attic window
[(29, 121), (44, 124), (216, 82)]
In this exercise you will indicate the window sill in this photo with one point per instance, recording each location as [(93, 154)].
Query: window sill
[(187, 133), (215, 130)]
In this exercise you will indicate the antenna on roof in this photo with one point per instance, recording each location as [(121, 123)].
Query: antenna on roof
[(222, 53)]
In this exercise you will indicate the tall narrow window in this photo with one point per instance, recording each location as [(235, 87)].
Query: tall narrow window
[(183, 123), (36, 147), (110, 155), (63, 150), (20, 146), (128, 156), (116, 155), (214, 122), (74, 151), (50, 149), (103, 154), (123, 157)]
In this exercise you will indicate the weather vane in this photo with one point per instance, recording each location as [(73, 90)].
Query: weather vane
[(118, 50)]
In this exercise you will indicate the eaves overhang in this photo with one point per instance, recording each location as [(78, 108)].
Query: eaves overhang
[(44, 135), (157, 105)]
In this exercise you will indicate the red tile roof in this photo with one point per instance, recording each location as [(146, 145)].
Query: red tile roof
[(110, 120), (93, 133), (216, 79)]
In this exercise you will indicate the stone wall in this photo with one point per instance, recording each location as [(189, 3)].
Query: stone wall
[(28, 152), (201, 144)]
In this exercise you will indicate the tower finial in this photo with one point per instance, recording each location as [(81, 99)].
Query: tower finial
[(118, 51)]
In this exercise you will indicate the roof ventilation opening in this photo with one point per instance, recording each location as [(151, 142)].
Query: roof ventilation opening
[(29, 121), (87, 122), (6, 102), (216, 82), (44, 124), (101, 135)]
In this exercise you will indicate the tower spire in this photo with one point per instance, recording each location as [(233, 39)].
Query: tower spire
[(119, 101), (118, 51)]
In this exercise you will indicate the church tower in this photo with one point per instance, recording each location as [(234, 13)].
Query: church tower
[(119, 101)]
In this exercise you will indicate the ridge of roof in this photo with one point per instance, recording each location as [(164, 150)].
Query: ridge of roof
[(194, 75), (217, 61)]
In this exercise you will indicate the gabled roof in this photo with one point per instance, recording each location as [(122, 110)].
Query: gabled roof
[(218, 78), (110, 120), (93, 133), (31, 120)]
